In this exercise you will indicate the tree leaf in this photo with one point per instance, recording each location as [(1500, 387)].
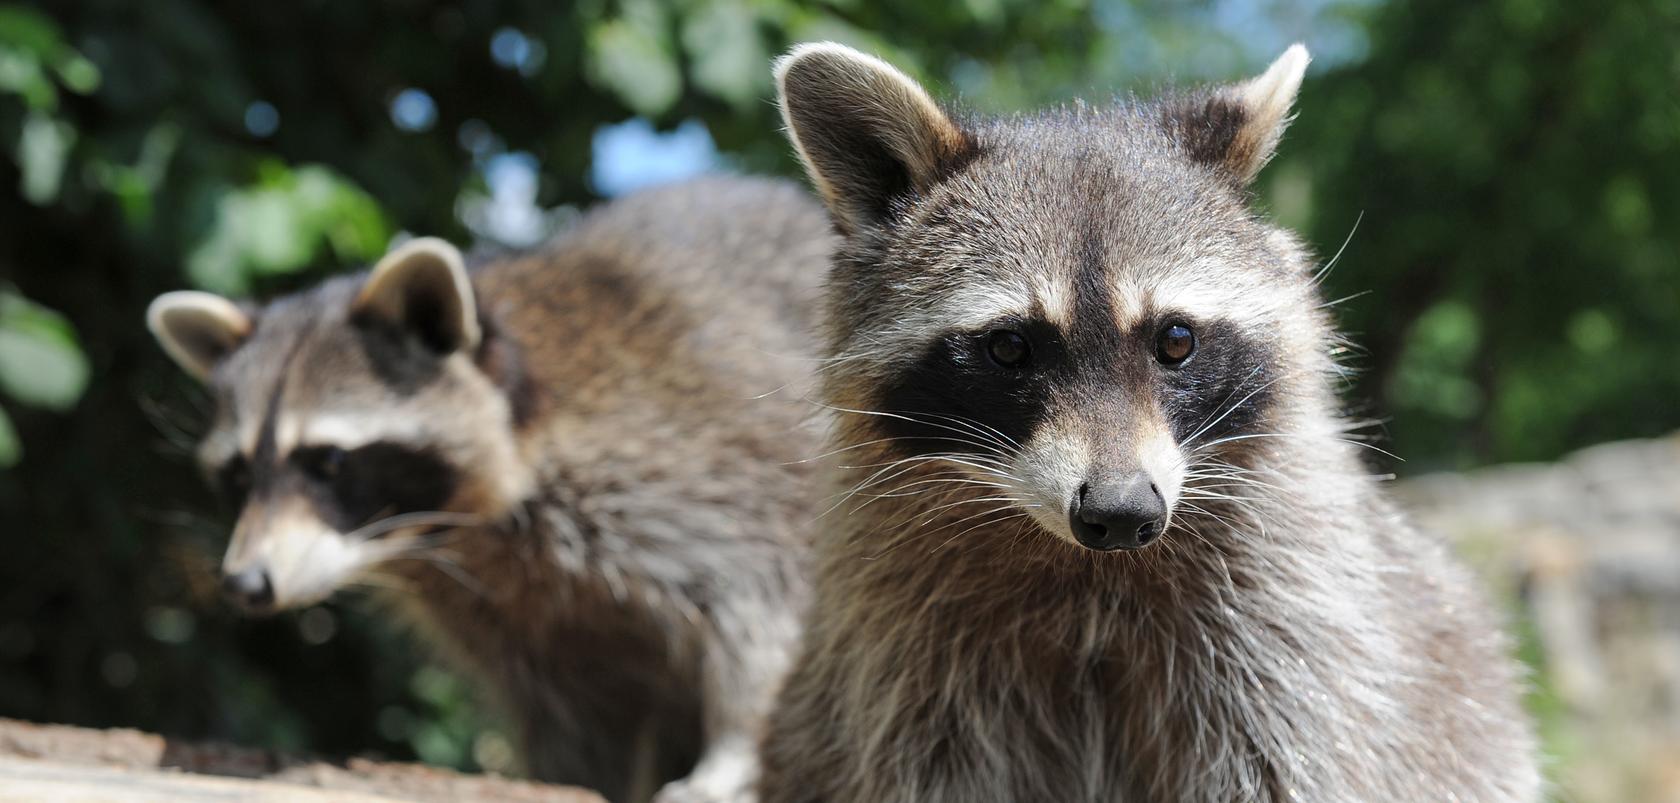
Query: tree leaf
[(40, 362), (630, 57), (43, 147), (278, 227), (728, 54)]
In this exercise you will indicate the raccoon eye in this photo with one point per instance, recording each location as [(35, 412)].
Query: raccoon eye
[(1174, 345), (234, 480), (1007, 348), (324, 463)]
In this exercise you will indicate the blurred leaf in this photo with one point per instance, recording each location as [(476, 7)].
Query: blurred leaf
[(135, 185), (10, 450), (77, 74), (631, 57), (29, 31), (1432, 370), (40, 362), (42, 149), (278, 226), (21, 74), (728, 55), (30, 45)]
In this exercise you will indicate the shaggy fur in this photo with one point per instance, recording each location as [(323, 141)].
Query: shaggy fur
[(577, 469), (1289, 637)]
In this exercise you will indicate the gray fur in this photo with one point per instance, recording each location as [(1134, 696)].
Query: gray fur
[(1289, 638), (624, 570)]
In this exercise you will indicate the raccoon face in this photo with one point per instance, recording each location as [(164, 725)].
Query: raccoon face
[(353, 426), (1077, 309)]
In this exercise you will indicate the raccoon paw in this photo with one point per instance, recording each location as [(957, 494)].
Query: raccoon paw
[(726, 777)]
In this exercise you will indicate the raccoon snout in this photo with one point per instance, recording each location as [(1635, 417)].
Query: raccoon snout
[(1124, 512), (250, 589)]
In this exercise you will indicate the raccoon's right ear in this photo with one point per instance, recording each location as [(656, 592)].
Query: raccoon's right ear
[(866, 133), (1236, 129), (197, 329), (422, 288)]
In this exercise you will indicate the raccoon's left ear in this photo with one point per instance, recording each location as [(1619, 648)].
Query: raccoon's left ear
[(1236, 128), (422, 288), (197, 329), (867, 133)]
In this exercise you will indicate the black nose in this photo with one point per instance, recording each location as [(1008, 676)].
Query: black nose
[(1124, 512), (249, 589)]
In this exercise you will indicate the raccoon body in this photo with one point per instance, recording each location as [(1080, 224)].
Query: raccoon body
[(1104, 537), (577, 470)]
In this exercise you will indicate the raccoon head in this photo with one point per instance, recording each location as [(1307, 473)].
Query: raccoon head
[(1078, 308), (353, 421)]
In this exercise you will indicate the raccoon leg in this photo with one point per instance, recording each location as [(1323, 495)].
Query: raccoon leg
[(746, 654), (574, 748), (618, 733)]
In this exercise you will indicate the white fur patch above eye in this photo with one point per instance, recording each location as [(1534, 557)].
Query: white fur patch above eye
[(1203, 289), (345, 430), (971, 306), (975, 304), (1054, 298)]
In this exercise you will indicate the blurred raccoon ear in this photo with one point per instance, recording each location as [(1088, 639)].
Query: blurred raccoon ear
[(1236, 129), (422, 288), (197, 329), (866, 133)]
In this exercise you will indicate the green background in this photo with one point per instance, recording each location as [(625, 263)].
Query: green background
[(1501, 180)]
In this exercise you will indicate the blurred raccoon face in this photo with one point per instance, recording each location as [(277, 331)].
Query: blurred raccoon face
[(352, 428), (1078, 310)]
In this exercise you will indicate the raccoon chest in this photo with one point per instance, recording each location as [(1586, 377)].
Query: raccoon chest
[(1133, 713)]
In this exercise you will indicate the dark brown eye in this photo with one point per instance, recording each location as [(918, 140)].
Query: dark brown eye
[(1008, 349), (323, 463), (234, 480), (1174, 345)]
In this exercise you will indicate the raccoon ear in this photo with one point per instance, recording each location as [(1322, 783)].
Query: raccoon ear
[(422, 288), (197, 329), (1236, 128), (866, 133)]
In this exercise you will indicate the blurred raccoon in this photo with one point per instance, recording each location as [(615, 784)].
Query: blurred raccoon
[(1108, 538), (578, 469)]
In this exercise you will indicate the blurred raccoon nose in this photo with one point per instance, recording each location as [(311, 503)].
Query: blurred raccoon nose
[(1118, 513), (249, 589)]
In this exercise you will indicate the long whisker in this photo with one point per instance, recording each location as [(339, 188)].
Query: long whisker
[(416, 519)]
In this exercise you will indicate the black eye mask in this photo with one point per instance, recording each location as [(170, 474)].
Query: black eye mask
[(1208, 374), (356, 487)]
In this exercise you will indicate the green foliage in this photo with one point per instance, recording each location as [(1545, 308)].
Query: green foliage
[(277, 225), (1516, 163), (41, 365), (40, 362), (1517, 166)]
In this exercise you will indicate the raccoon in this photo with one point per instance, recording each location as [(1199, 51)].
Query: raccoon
[(1105, 536), (577, 470)]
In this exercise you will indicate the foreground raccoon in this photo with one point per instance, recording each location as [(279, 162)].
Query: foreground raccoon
[(1107, 539), (557, 459)]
